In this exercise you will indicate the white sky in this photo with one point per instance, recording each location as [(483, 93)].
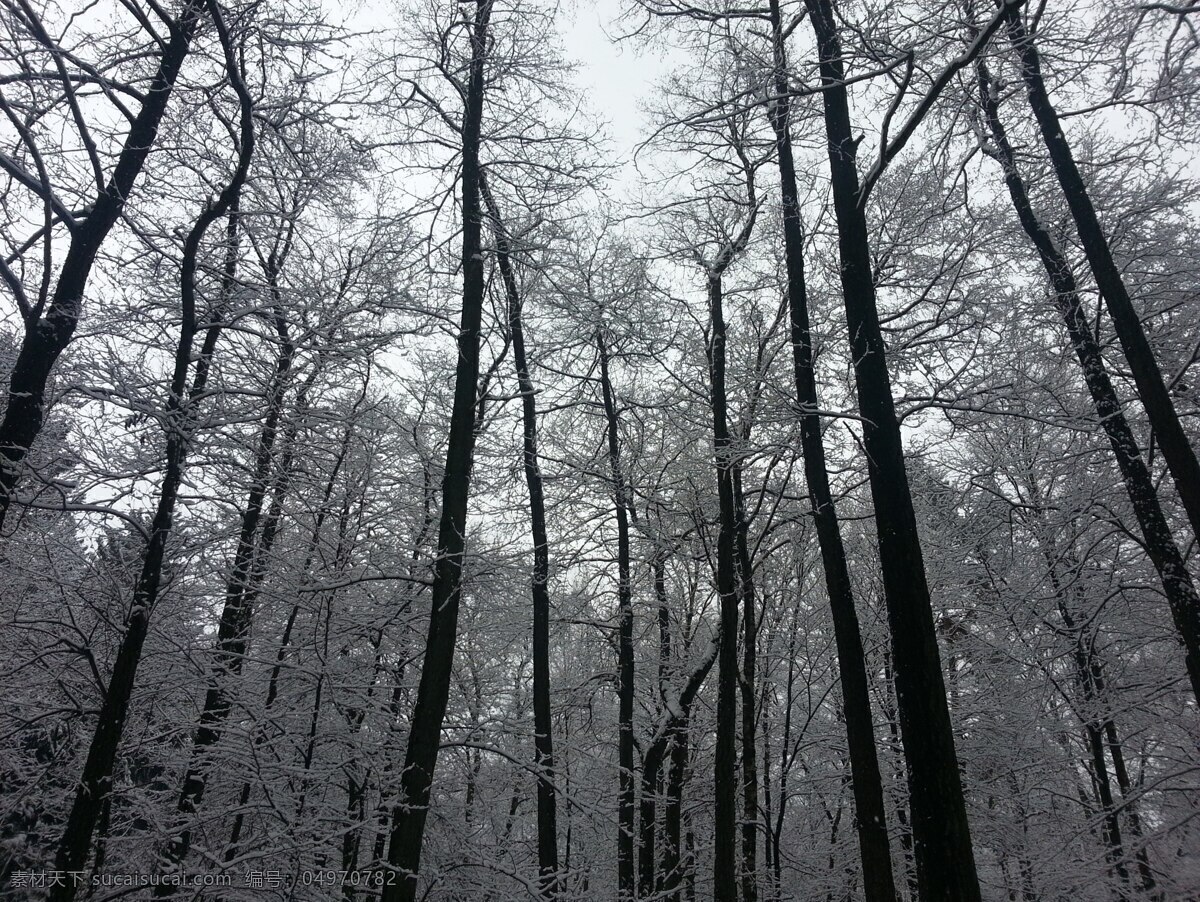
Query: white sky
[(617, 75)]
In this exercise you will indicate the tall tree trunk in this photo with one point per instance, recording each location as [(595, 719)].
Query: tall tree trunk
[(654, 785), (768, 806), (945, 858), (1176, 448), (725, 883), (734, 584), (47, 335), (433, 691), (867, 784), (1086, 671), (626, 812), (1111, 825), (356, 813), (750, 812), (547, 827), (675, 861), (1159, 542), (234, 626), (177, 419), (785, 758)]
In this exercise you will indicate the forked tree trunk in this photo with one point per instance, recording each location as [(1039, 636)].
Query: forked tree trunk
[(734, 585), (866, 782), (1159, 542), (547, 827), (945, 858), (48, 334), (626, 811), (675, 718), (234, 626), (96, 782), (1176, 448), (1128, 802)]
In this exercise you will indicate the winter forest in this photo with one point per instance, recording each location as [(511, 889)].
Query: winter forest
[(650, 451)]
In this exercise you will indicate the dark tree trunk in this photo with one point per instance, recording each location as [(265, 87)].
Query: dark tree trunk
[(734, 586), (626, 811), (675, 861), (1156, 531), (1128, 802), (871, 820), (945, 858), (725, 883), (899, 775), (785, 759), (234, 626), (356, 813), (659, 569), (433, 691), (1111, 826), (750, 812), (768, 807), (654, 785), (1176, 449), (96, 782), (665, 739), (547, 828), (47, 335)]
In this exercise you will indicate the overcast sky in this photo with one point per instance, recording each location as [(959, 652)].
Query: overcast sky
[(616, 74)]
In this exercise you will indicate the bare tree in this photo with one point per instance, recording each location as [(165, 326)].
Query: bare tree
[(408, 823), (945, 859), (177, 416), (1152, 390), (50, 317)]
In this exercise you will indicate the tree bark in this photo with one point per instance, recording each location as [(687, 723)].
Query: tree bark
[(433, 691), (234, 626), (547, 826), (96, 782), (675, 719), (1158, 540), (945, 858), (676, 859), (626, 811), (654, 785), (1176, 448), (1129, 803), (750, 812), (866, 782), (47, 336), (725, 883)]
